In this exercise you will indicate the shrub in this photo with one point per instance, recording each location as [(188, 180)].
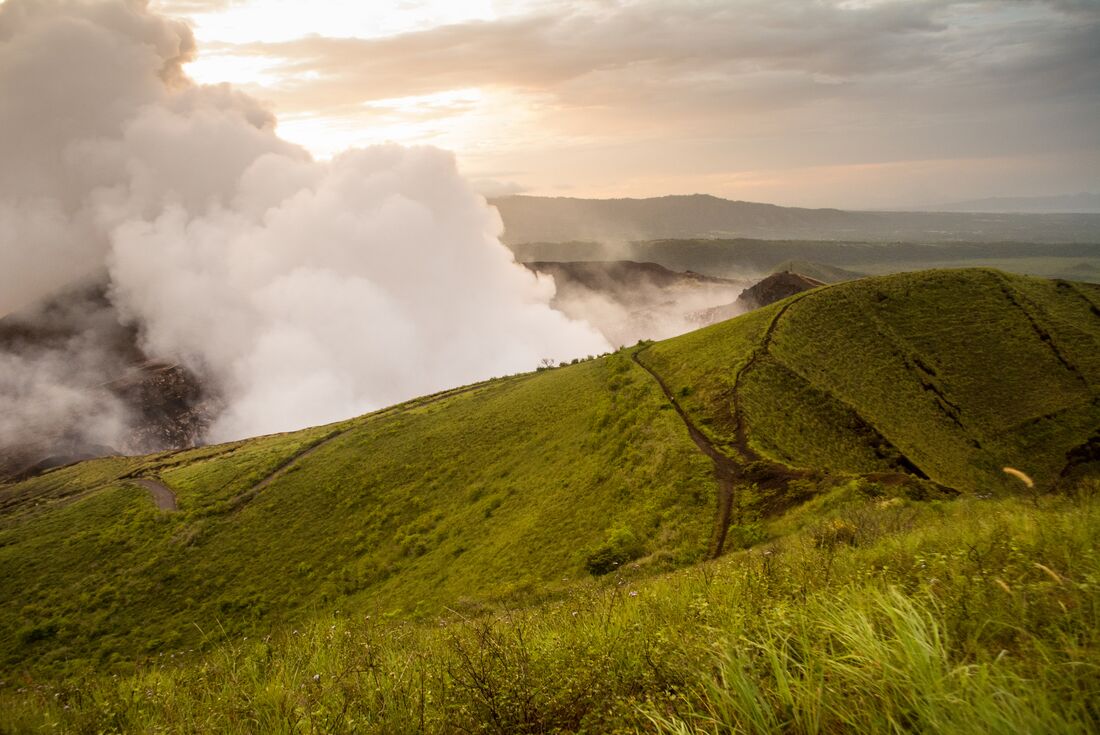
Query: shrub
[(622, 546)]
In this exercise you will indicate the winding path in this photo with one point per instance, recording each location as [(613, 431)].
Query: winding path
[(162, 494), (726, 470)]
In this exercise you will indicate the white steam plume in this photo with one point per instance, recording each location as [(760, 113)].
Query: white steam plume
[(52, 400), (308, 291)]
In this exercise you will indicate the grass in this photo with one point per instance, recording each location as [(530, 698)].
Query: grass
[(959, 372), (454, 503), (526, 554), (1044, 266), (967, 616)]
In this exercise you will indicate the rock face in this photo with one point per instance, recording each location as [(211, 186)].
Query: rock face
[(776, 287), (622, 277), (76, 385)]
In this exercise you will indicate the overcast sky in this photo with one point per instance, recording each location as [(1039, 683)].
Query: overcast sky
[(816, 103)]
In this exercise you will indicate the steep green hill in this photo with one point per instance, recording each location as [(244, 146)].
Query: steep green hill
[(950, 375), (507, 492)]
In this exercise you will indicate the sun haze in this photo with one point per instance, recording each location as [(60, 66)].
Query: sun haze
[(849, 104)]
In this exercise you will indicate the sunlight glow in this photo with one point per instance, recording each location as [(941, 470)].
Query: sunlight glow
[(463, 120), (213, 67), (272, 21)]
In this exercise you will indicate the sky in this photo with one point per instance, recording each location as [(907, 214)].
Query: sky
[(846, 103)]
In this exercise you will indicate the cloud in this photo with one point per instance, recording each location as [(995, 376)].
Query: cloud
[(759, 83), (712, 43), (490, 188)]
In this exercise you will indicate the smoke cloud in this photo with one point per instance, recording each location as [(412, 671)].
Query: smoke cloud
[(306, 291), (52, 398), (628, 301)]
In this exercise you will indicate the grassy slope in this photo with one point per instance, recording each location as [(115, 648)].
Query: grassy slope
[(480, 495), (975, 616), (503, 491), (961, 372)]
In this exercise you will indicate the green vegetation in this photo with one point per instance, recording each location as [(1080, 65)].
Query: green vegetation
[(971, 616), (953, 374), (527, 554), (498, 492)]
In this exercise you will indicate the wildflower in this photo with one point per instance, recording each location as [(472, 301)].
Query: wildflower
[(316, 677), (633, 593)]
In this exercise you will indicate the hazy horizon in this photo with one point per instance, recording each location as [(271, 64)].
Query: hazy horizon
[(1076, 203)]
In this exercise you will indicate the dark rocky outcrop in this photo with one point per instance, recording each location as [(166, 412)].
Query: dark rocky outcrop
[(155, 405)]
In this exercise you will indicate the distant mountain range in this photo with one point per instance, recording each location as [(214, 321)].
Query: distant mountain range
[(556, 219), (1083, 203)]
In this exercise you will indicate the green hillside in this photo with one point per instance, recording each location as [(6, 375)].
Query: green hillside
[(504, 489), (949, 375), (508, 492), (869, 614)]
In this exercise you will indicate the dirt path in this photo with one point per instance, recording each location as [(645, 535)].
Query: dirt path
[(283, 467), (162, 494), (726, 470)]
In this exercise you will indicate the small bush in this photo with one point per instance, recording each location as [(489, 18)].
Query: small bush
[(622, 546), (836, 532)]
